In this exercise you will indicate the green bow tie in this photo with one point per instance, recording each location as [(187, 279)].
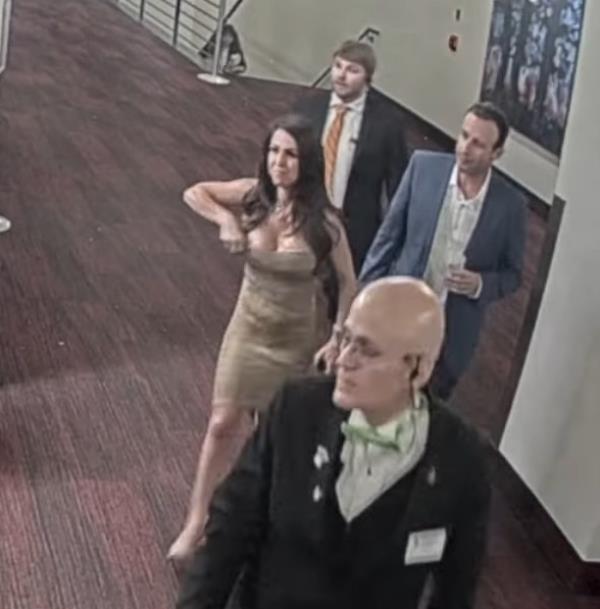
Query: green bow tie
[(368, 436)]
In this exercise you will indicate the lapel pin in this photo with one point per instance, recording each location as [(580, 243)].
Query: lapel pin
[(431, 476), (317, 494), (321, 457)]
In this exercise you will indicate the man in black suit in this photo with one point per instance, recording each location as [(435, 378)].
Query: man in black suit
[(363, 143), (355, 492)]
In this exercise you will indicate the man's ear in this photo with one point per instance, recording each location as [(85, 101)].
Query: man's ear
[(497, 153), (421, 372)]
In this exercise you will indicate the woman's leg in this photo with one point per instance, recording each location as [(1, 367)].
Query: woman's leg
[(228, 430)]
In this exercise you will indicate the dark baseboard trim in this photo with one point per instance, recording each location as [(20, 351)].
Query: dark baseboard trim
[(578, 576), (535, 300), (429, 130), (537, 205), (447, 143)]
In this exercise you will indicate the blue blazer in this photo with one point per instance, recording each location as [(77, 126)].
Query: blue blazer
[(403, 244)]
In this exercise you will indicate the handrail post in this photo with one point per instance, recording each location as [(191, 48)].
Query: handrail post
[(4, 35), (214, 78), (176, 22)]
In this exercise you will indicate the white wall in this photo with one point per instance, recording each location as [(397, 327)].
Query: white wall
[(553, 433), (292, 40)]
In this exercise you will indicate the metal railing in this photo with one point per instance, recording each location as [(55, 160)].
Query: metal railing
[(205, 18), (197, 21), (135, 8), (369, 35), (215, 77), (160, 15), (5, 11), (195, 27)]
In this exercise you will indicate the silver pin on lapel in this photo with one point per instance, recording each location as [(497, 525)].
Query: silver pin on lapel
[(432, 476), (317, 494), (321, 457)]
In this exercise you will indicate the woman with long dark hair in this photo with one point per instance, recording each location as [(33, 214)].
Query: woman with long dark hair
[(296, 250)]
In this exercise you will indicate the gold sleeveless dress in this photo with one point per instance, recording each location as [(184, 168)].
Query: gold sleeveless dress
[(278, 324)]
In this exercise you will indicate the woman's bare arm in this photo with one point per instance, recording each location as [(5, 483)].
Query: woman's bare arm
[(344, 268), (218, 202), (347, 286), (221, 203)]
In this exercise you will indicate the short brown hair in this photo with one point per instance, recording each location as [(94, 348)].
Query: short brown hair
[(489, 111), (360, 53)]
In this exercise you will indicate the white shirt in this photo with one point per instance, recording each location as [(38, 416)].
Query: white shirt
[(368, 471), (456, 223), (347, 143), (464, 212)]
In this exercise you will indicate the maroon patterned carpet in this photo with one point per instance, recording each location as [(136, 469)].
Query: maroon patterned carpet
[(114, 298)]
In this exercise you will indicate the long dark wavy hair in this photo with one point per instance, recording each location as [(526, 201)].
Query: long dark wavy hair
[(311, 210)]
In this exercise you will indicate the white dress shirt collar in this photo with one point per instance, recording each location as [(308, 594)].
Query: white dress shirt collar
[(368, 470), (358, 105), (479, 198)]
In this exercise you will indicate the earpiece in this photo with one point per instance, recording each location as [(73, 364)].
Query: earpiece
[(415, 371)]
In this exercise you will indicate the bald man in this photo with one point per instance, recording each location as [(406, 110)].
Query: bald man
[(358, 491)]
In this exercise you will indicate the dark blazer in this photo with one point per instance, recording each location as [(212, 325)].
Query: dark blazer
[(265, 518), (380, 159), (403, 244)]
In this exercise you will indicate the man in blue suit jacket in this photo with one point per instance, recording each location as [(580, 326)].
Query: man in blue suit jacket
[(456, 223)]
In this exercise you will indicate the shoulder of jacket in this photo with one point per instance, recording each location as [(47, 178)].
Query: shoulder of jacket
[(510, 192), (452, 429), (432, 156)]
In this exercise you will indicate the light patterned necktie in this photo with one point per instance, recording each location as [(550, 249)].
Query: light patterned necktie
[(332, 142)]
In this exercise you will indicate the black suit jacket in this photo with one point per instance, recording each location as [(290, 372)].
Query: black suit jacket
[(380, 159), (264, 518)]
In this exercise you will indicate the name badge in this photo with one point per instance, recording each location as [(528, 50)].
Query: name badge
[(425, 546)]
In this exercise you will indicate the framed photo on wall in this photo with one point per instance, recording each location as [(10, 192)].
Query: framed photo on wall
[(530, 65)]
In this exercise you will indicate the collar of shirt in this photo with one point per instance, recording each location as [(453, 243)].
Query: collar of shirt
[(477, 201), (358, 105), (369, 470), (399, 432)]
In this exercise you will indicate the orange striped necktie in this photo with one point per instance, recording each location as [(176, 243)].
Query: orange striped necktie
[(332, 142)]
